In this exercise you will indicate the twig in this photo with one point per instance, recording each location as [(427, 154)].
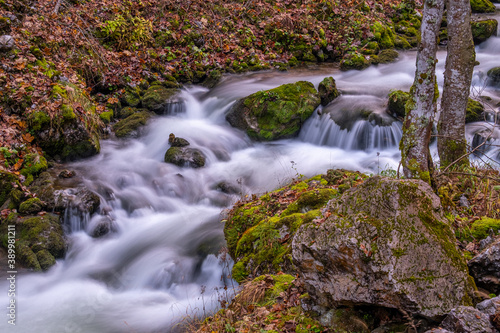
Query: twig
[(58, 4)]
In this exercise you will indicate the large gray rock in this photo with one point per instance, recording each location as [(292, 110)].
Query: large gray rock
[(489, 306), (485, 268), (386, 243), (466, 319), (185, 156), (160, 99), (277, 113)]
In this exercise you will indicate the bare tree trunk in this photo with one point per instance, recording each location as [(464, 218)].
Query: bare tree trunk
[(421, 108), (457, 79)]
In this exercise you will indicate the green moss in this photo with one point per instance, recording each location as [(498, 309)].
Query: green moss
[(33, 164), (482, 6), (387, 56), (383, 35), (38, 120), (129, 125), (474, 111), (31, 206), (156, 96), (67, 112), (239, 272), (45, 259), (397, 102), (494, 75), (481, 228), (8, 182), (354, 61), (405, 43), (483, 29), (106, 116), (310, 200)]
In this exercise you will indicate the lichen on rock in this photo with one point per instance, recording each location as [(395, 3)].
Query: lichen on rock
[(386, 244)]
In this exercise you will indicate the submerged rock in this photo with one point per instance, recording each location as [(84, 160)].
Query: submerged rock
[(327, 90), (183, 156), (386, 243), (485, 268), (494, 75), (482, 6), (276, 113), (397, 103), (130, 126)]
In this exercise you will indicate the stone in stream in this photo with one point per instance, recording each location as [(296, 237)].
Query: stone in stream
[(276, 113), (386, 243), (181, 155), (328, 90)]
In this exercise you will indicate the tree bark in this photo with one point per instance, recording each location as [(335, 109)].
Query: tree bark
[(421, 108), (457, 80)]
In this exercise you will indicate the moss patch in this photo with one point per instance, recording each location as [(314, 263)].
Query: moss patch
[(482, 228), (129, 125)]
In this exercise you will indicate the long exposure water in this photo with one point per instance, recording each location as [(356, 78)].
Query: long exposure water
[(160, 264)]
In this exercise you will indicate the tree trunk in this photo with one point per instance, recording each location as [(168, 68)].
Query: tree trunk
[(421, 108), (457, 79)]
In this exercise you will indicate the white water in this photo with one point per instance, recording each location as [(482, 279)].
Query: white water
[(149, 272)]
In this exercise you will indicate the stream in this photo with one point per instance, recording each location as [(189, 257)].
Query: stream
[(162, 264)]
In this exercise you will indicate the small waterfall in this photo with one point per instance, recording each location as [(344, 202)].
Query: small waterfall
[(353, 123)]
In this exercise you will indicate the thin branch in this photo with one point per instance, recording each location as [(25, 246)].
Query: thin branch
[(58, 4)]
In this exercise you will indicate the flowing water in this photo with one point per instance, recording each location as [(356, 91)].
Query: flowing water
[(160, 263)]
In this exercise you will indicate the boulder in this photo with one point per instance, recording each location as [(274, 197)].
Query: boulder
[(130, 126), (397, 102), (354, 61), (160, 99), (483, 29), (482, 6), (276, 113), (41, 241), (73, 132), (6, 43), (31, 206), (485, 268), (386, 56), (494, 75), (327, 90), (466, 319), (490, 306), (185, 156), (474, 111), (386, 243)]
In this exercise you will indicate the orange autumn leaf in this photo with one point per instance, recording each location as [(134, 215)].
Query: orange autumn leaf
[(28, 137), (18, 164)]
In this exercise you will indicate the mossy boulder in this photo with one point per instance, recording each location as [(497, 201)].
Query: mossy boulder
[(354, 61), (62, 134), (482, 6), (387, 56), (31, 206), (483, 29), (131, 97), (126, 111), (259, 233), (5, 23), (34, 164), (276, 113), (388, 241), (494, 75), (485, 268), (8, 182), (327, 90), (158, 98), (397, 102), (130, 126), (40, 241), (474, 111), (383, 35), (185, 157)]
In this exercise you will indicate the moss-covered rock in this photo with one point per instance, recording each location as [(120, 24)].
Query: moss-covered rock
[(494, 75), (129, 126), (327, 90), (387, 56), (396, 103), (185, 157), (106, 116), (483, 29), (474, 111), (125, 112), (383, 35), (4, 25), (157, 98), (8, 182), (31, 206), (483, 227), (276, 113), (63, 134), (40, 240), (131, 97), (354, 61), (482, 6), (389, 241), (33, 164)]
